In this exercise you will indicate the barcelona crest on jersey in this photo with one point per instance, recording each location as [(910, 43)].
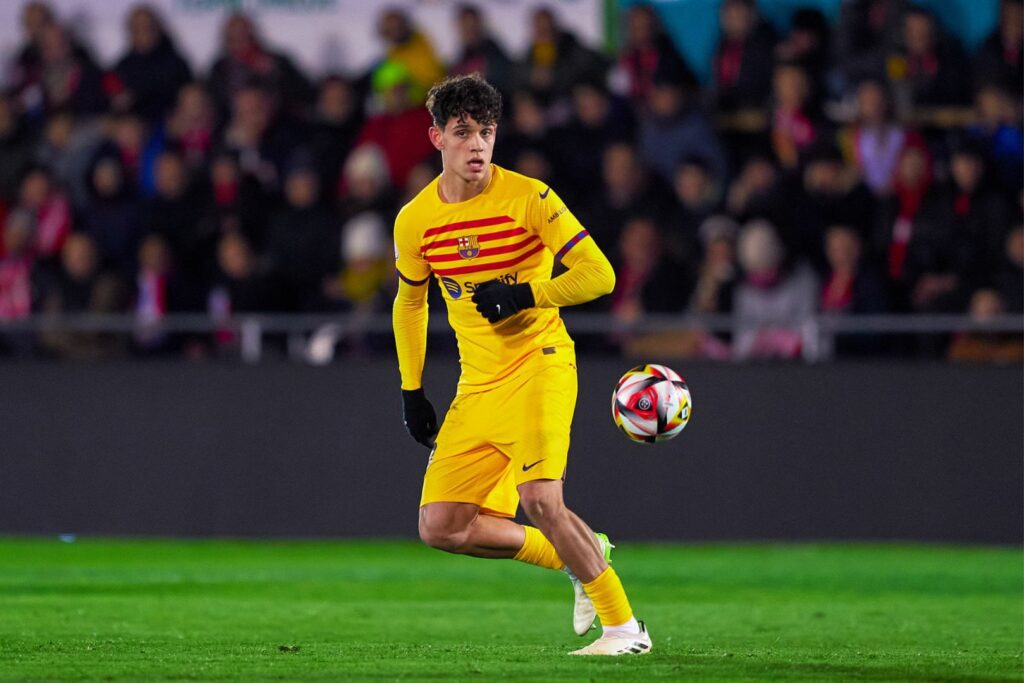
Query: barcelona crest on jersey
[(469, 247)]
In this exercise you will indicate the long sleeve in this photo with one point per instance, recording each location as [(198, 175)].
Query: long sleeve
[(589, 276), (409, 320), (589, 273)]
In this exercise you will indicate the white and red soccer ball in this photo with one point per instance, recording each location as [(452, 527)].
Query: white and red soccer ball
[(651, 403)]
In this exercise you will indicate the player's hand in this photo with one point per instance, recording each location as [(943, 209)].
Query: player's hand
[(496, 300), (419, 417)]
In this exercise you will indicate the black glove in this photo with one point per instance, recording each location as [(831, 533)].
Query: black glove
[(419, 417), (496, 300)]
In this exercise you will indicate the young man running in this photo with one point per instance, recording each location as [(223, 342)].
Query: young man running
[(491, 237)]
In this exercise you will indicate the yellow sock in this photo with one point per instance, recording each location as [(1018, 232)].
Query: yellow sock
[(609, 598), (537, 549)]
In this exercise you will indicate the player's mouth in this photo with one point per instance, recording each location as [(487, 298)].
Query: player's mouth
[(477, 165)]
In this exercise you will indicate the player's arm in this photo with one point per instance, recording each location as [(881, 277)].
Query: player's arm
[(409, 321), (589, 273)]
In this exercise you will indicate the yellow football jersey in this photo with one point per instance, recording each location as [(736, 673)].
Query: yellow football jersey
[(512, 231)]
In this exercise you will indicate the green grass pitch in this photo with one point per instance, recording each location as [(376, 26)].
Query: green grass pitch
[(131, 610)]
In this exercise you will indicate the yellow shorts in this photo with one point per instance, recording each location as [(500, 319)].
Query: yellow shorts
[(492, 441)]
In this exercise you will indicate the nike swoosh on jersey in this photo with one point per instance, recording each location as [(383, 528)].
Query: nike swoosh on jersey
[(544, 194), (527, 468)]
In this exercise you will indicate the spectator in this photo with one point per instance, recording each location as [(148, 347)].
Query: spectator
[(175, 212), (479, 52), (868, 31), (151, 71), (555, 59), (987, 347), (930, 69), (535, 164), (674, 128), (717, 273), (410, 49), (111, 219), (136, 147), (775, 302), (257, 136), (754, 193), (829, 193), (647, 50), (240, 284), (159, 290), (876, 141), (49, 210), (67, 76), (1009, 276), (597, 121), (697, 193), (17, 144), (81, 287), (399, 128), (997, 127), (244, 60), (627, 190), (36, 62), (190, 125), (851, 285), (1000, 59), (240, 204), (808, 46), (743, 58), (365, 185), (795, 123), (23, 72), (335, 124), (16, 272), (420, 176), (302, 241), (361, 283), (528, 129), (958, 236), (898, 214), (648, 279), (66, 149)]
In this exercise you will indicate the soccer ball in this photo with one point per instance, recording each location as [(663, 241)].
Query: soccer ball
[(651, 404)]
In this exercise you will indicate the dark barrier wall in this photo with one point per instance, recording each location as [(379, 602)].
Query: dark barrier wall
[(929, 452)]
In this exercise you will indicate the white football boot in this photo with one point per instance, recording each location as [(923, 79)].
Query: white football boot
[(613, 645), (584, 615)]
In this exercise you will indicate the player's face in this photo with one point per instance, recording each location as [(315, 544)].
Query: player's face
[(466, 147)]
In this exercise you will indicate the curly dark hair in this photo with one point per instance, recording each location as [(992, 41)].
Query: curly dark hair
[(462, 96)]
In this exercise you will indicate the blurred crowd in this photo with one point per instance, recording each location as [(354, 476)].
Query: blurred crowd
[(867, 165)]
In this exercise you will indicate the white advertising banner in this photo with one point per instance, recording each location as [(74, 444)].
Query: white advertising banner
[(323, 36)]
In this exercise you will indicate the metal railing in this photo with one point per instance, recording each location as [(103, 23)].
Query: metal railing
[(313, 336)]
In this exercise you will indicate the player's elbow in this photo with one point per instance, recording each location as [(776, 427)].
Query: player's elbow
[(606, 279)]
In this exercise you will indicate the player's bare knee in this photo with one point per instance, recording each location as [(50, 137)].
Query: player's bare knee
[(442, 535), (543, 510)]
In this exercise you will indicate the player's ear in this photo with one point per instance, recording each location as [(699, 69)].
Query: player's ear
[(435, 137)]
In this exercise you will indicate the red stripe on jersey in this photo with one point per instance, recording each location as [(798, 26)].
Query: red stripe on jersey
[(478, 223), (490, 251), (452, 241), (490, 266)]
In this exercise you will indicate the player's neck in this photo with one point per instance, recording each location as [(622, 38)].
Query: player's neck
[(452, 189)]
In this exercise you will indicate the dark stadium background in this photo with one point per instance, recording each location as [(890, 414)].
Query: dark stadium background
[(815, 219)]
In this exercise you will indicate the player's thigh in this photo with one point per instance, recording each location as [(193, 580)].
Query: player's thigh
[(539, 419), (464, 467)]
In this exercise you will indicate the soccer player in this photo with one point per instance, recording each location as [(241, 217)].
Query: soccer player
[(491, 237)]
